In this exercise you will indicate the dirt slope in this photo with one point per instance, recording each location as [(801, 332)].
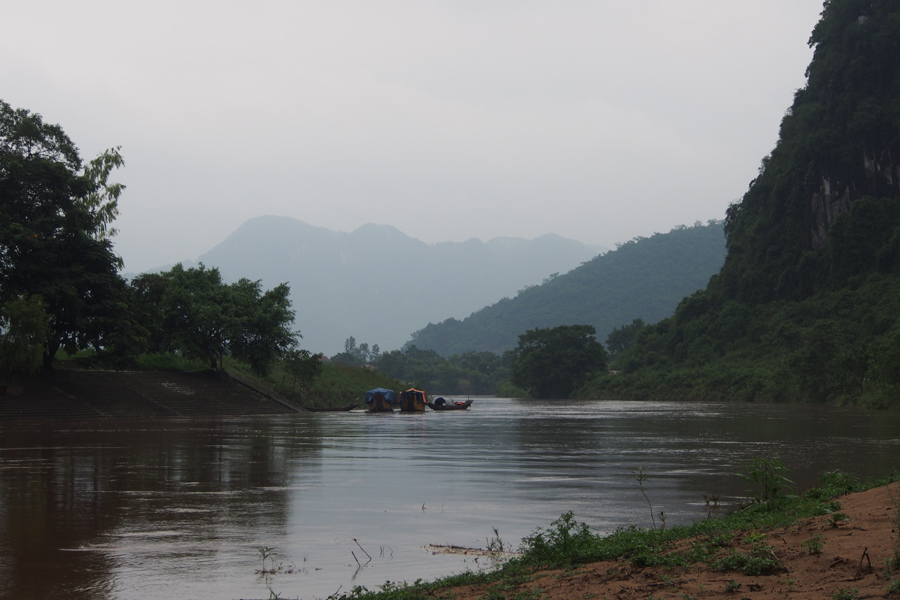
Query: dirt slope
[(853, 555)]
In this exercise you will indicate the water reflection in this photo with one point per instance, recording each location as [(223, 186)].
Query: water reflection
[(82, 502), (159, 509)]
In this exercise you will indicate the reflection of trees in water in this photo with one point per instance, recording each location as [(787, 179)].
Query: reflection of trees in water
[(66, 494)]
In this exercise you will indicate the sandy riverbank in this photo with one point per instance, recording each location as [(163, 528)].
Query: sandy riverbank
[(852, 555)]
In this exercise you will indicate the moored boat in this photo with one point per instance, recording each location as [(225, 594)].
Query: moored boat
[(346, 408), (442, 404), (412, 400), (381, 400)]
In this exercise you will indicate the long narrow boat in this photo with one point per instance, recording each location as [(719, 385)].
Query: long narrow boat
[(438, 405), (346, 408)]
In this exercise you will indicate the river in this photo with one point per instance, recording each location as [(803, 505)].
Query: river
[(179, 508)]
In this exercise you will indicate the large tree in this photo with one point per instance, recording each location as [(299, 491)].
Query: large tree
[(55, 217), (553, 363), (193, 312)]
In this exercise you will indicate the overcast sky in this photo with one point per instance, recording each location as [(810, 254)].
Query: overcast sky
[(596, 120)]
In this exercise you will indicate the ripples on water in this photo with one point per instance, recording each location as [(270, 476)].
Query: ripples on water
[(177, 508)]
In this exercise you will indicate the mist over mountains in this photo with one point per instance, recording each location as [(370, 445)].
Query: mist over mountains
[(379, 285)]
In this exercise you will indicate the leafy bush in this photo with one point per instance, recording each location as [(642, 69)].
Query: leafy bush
[(768, 479)]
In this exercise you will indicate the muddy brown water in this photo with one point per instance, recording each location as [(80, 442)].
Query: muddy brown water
[(180, 508)]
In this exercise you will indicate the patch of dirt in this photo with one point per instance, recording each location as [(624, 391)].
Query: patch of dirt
[(852, 554)]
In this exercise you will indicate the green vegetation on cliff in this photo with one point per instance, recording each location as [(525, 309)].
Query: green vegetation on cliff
[(807, 304)]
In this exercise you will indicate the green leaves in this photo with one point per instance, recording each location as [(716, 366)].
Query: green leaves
[(25, 134), (24, 329), (553, 363), (767, 476), (191, 311), (103, 198), (54, 226)]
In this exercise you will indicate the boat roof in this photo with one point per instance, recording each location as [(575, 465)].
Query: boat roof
[(389, 395)]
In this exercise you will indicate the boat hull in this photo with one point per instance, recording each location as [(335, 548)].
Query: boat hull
[(452, 406)]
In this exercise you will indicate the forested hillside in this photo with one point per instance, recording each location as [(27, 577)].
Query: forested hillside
[(807, 303), (644, 278)]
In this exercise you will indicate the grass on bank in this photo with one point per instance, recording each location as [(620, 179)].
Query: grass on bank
[(569, 543), (337, 385)]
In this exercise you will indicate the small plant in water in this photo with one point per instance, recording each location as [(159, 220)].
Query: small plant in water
[(712, 501), (495, 544), (640, 477), (266, 553)]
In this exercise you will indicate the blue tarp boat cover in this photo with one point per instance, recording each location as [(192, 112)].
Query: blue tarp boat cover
[(389, 395)]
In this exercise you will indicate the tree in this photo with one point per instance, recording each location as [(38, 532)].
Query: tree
[(553, 363), (24, 327), (620, 339), (356, 356), (260, 331), (192, 311), (303, 366), (55, 218)]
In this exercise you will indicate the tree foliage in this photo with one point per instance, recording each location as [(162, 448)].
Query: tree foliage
[(553, 363), (191, 311), (54, 231), (356, 355), (468, 373), (303, 367), (622, 338), (24, 328)]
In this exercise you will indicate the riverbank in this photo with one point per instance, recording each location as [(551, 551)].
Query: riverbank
[(83, 394), (815, 557), (850, 551)]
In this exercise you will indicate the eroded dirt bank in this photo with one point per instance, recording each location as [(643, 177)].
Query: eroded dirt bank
[(818, 557)]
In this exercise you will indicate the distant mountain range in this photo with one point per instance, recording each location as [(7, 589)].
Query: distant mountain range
[(644, 278), (378, 284)]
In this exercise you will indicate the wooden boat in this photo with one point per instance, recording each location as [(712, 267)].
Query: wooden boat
[(439, 405), (412, 400), (381, 400), (346, 408)]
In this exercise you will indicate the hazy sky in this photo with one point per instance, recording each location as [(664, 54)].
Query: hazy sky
[(599, 120)]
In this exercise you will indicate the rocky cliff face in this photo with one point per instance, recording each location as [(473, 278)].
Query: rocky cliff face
[(877, 175)]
